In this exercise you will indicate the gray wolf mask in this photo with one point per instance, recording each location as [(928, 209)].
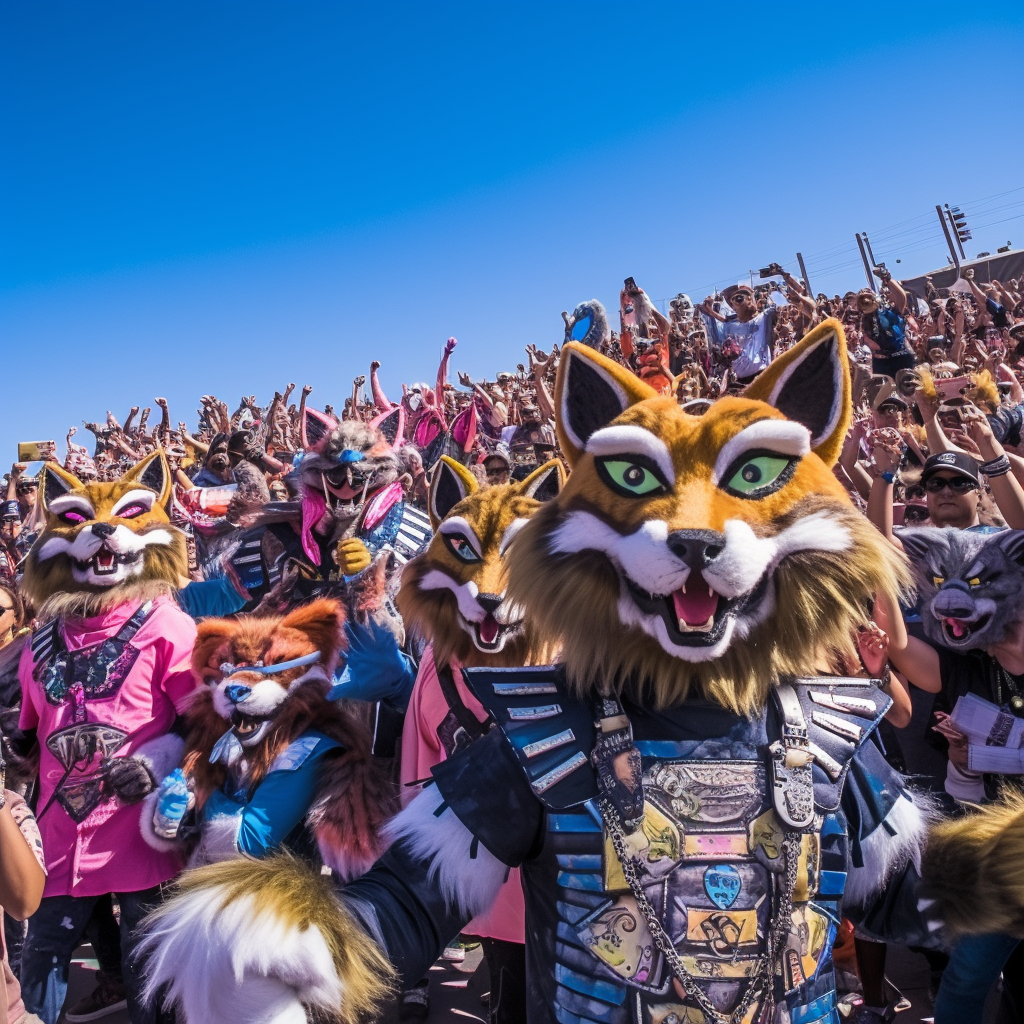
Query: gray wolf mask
[(970, 584)]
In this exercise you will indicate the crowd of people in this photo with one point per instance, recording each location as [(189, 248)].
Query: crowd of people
[(935, 441)]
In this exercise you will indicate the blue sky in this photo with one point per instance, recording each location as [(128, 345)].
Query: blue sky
[(222, 197)]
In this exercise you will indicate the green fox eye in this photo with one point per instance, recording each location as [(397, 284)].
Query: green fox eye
[(758, 475), (630, 478)]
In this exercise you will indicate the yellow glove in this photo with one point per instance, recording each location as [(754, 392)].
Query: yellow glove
[(352, 556)]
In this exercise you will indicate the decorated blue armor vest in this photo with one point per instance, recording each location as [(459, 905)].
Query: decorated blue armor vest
[(722, 901)]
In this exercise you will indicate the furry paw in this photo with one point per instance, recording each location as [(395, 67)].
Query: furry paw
[(973, 868), (352, 556)]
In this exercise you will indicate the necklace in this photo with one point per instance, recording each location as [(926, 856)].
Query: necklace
[(1016, 699), (760, 983)]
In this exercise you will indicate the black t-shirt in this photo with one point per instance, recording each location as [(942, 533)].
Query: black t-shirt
[(978, 673)]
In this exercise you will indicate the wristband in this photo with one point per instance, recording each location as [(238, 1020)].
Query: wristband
[(888, 476), (12, 510), (996, 467)]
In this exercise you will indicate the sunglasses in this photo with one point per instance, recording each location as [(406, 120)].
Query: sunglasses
[(957, 484), (915, 515)]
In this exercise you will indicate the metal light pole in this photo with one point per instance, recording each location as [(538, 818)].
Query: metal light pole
[(864, 257), (956, 233), (949, 241), (803, 272)]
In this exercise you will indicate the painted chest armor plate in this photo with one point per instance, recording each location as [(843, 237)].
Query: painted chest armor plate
[(709, 854)]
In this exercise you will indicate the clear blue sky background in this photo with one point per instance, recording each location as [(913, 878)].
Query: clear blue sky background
[(225, 196)]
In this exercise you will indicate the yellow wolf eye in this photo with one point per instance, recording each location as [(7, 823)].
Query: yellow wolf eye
[(630, 478), (757, 475), (937, 581), (975, 582)]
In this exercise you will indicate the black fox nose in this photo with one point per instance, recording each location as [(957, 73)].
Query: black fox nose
[(697, 548), (102, 530), (489, 602)]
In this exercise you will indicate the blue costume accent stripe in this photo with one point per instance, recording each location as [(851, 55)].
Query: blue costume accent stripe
[(589, 986), (817, 1010), (572, 823), (565, 1017), (586, 1007), (580, 861), (579, 880), (832, 884)]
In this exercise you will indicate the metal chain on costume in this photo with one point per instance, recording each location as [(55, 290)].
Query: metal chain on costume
[(760, 982)]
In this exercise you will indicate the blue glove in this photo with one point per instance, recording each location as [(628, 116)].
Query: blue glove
[(376, 668), (171, 805)]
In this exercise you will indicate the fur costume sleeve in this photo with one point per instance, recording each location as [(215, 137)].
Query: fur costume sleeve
[(448, 859)]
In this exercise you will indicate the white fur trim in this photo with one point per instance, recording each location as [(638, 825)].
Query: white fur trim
[(782, 436), (157, 843), (237, 964), (218, 840), (629, 440), (72, 503), (645, 559), (458, 526), (510, 534), (465, 593), (162, 755), (138, 496), (897, 840), (469, 883)]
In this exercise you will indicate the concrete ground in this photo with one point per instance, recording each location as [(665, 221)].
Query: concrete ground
[(456, 990)]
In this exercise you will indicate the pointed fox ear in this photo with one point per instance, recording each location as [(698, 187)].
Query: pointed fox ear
[(57, 482), (449, 484), (392, 425), (316, 426), (811, 385), (154, 473), (591, 390), (545, 482)]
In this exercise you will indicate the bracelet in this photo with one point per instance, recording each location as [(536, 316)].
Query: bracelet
[(888, 476), (12, 510), (996, 467)]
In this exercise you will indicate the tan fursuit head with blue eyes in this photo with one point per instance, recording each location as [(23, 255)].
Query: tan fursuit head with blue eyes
[(693, 799)]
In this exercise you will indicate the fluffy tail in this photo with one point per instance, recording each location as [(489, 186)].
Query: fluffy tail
[(354, 800), (255, 942), (973, 868)]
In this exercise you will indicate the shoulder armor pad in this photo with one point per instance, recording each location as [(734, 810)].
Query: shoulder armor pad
[(840, 714), (550, 731)]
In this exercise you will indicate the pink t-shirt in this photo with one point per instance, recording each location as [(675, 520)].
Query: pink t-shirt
[(421, 750), (105, 852)]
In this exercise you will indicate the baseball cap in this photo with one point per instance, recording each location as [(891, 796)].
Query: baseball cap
[(958, 463)]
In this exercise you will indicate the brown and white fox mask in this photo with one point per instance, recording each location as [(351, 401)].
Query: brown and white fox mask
[(104, 543), (453, 594), (719, 549)]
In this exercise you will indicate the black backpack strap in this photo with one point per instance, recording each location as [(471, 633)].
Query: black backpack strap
[(473, 726)]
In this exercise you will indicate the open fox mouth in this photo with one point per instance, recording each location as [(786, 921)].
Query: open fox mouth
[(959, 631), (490, 634), (105, 561), (696, 615), (247, 728)]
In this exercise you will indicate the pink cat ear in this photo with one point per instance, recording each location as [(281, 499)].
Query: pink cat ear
[(316, 428), (392, 425)]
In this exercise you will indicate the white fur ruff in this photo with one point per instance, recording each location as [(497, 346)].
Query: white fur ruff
[(646, 560), (218, 840), (469, 883), (887, 852), (86, 544), (237, 964)]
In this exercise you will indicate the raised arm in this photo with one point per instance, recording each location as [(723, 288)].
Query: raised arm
[(380, 400), (442, 371)]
